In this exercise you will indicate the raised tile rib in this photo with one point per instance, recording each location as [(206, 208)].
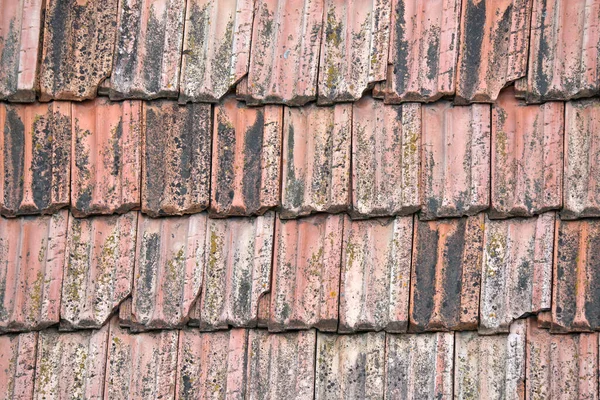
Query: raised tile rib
[(35, 149), (544, 320), (17, 365)]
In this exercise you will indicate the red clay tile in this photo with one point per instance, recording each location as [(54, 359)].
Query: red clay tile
[(544, 320), (98, 272), (125, 313), (211, 365), (35, 145), (20, 27), (419, 366), (527, 157), (423, 50), (284, 58), (17, 365), (316, 160), (105, 170), (354, 48), (563, 59), (494, 43), (148, 49), (350, 366), (455, 180), (375, 281), (281, 365), (386, 146), (175, 158), (238, 271), (446, 274), (77, 52), (32, 255), (246, 162), (306, 273), (582, 159), (516, 277), (262, 318), (216, 48)]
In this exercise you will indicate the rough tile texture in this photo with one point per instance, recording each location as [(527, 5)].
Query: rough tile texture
[(17, 365)]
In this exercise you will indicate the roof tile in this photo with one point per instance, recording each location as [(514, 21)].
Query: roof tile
[(262, 317), (17, 365), (544, 320)]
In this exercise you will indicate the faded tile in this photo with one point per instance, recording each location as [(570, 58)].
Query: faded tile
[(17, 365), (264, 303), (544, 320)]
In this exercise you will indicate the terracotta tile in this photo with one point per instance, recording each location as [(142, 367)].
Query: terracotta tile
[(141, 366), (544, 320), (316, 160), (281, 364), (306, 273), (354, 48), (17, 365), (106, 157), (494, 43), (516, 276), (386, 146), (284, 59), (212, 365), (148, 49), (423, 50), (456, 160), (582, 159), (246, 162), (446, 274), (238, 271), (563, 59), (419, 367), (561, 366), (375, 279), (36, 155), (98, 272), (125, 313), (20, 27), (169, 265), (71, 365), (350, 366), (490, 367), (262, 318), (216, 48), (527, 157), (77, 52), (175, 158), (32, 255)]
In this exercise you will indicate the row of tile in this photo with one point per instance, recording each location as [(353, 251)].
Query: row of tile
[(287, 51), (368, 158)]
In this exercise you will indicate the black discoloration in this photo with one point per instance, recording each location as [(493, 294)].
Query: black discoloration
[(474, 31), (252, 177), (544, 54), (82, 164), (401, 50), (9, 61), (14, 154), (127, 43), (433, 54), (149, 267), (294, 193), (224, 192), (425, 265), (453, 274), (154, 54)]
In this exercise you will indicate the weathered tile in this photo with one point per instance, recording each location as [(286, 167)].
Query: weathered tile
[(175, 158), (350, 366), (281, 365), (516, 276), (212, 365), (20, 27), (386, 148), (423, 50), (494, 43), (561, 366), (77, 53), (306, 273), (246, 162), (544, 320), (238, 271), (32, 255), (98, 272), (169, 265), (446, 274), (419, 366), (563, 59), (35, 144), (262, 318), (456, 160), (354, 48), (141, 366), (216, 48), (284, 58), (106, 165), (490, 367), (125, 312), (316, 160), (148, 49), (17, 365), (71, 365), (375, 280), (527, 157)]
